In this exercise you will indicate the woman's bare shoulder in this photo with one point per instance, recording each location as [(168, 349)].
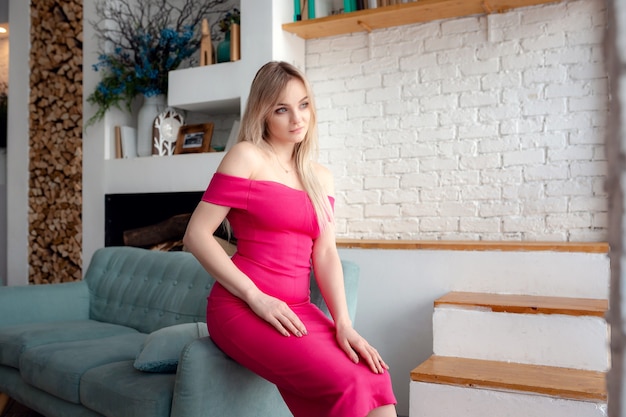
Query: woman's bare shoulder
[(242, 160)]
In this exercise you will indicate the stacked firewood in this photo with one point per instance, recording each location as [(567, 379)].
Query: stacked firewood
[(55, 110)]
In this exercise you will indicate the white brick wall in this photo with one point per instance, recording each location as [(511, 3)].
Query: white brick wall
[(473, 128)]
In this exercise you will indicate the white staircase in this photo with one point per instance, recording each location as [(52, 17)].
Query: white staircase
[(497, 355)]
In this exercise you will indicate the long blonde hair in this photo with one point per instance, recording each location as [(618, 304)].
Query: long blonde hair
[(268, 85)]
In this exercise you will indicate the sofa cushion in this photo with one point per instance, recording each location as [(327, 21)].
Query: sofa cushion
[(118, 389), (161, 349), (145, 289), (15, 340), (58, 367)]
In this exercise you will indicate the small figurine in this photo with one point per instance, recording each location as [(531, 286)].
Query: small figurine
[(207, 52)]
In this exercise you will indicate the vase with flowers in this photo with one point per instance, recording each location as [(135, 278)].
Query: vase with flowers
[(140, 42), (225, 24)]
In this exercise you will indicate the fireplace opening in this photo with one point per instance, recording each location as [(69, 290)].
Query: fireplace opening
[(154, 221)]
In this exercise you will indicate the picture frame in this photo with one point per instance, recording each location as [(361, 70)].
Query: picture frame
[(194, 138)]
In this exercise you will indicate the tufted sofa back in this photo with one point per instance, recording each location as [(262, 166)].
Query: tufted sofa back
[(147, 290)]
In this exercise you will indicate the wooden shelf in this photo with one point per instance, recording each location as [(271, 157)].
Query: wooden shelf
[(402, 14), (574, 384)]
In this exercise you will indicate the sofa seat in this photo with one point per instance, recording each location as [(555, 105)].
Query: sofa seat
[(16, 340), (118, 389), (57, 368)]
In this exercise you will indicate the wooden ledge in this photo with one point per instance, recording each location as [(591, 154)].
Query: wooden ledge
[(526, 304), (503, 246), (567, 383)]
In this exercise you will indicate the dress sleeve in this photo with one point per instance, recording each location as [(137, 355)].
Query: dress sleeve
[(227, 190)]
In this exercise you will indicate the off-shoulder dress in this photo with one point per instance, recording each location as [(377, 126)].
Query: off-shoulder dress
[(275, 226)]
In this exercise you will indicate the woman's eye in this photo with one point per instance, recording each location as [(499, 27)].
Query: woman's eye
[(304, 105), (281, 110)]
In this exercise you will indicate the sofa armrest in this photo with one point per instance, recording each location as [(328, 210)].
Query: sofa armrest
[(44, 303), (210, 384)]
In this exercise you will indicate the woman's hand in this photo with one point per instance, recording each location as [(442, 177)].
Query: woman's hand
[(278, 314), (356, 346)]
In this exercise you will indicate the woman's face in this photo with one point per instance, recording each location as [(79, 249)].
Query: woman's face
[(289, 120)]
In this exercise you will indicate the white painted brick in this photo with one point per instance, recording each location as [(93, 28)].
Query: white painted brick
[(439, 224), (522, 61), (545, 205), (476, 224), (479, 131), (481, 192), (499, 209), (438, 73), (501, 80), (480, 162), (460, 177), (381, 183), (402, 227), (440, 194), (571, 153), (420, 120), (523, 224), (490, 66), (399, 196), (588, 169), (568, 220), (525, 157), (442, 43), (363, 197), (382, 210), (592, 36), (580, 120), (568, 55), (439, 102), (546, 172), (421, 90), (376, 95), (499, 144), (419, 180), (569, 188), (477, 99), (499, 113), (523, 126), (554, 74), (451, 119), (587, 137), (368, 110), (578, 89), (587, 71), (457, 85), (523, 191), (586, 204), (509, 175), (462, 25), (595, 102), (511, 125), (459, 209)]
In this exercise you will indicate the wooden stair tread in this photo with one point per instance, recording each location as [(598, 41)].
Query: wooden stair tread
[(527, 304), (567, 383)]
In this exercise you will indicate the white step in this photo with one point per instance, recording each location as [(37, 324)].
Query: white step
[(551, 331), (459, 387)]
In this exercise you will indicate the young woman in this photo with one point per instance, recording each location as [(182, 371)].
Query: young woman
[(279, 204)]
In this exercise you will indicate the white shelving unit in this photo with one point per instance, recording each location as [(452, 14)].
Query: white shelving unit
[(212, 89)]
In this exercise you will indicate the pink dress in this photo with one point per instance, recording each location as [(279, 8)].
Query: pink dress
[(275, 226)]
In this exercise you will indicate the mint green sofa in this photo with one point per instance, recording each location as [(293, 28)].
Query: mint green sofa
[(129, 341)]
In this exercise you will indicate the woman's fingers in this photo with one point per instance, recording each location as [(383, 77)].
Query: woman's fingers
[(279, 315)]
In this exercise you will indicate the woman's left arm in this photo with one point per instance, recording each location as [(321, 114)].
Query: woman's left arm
[(329, 276)]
